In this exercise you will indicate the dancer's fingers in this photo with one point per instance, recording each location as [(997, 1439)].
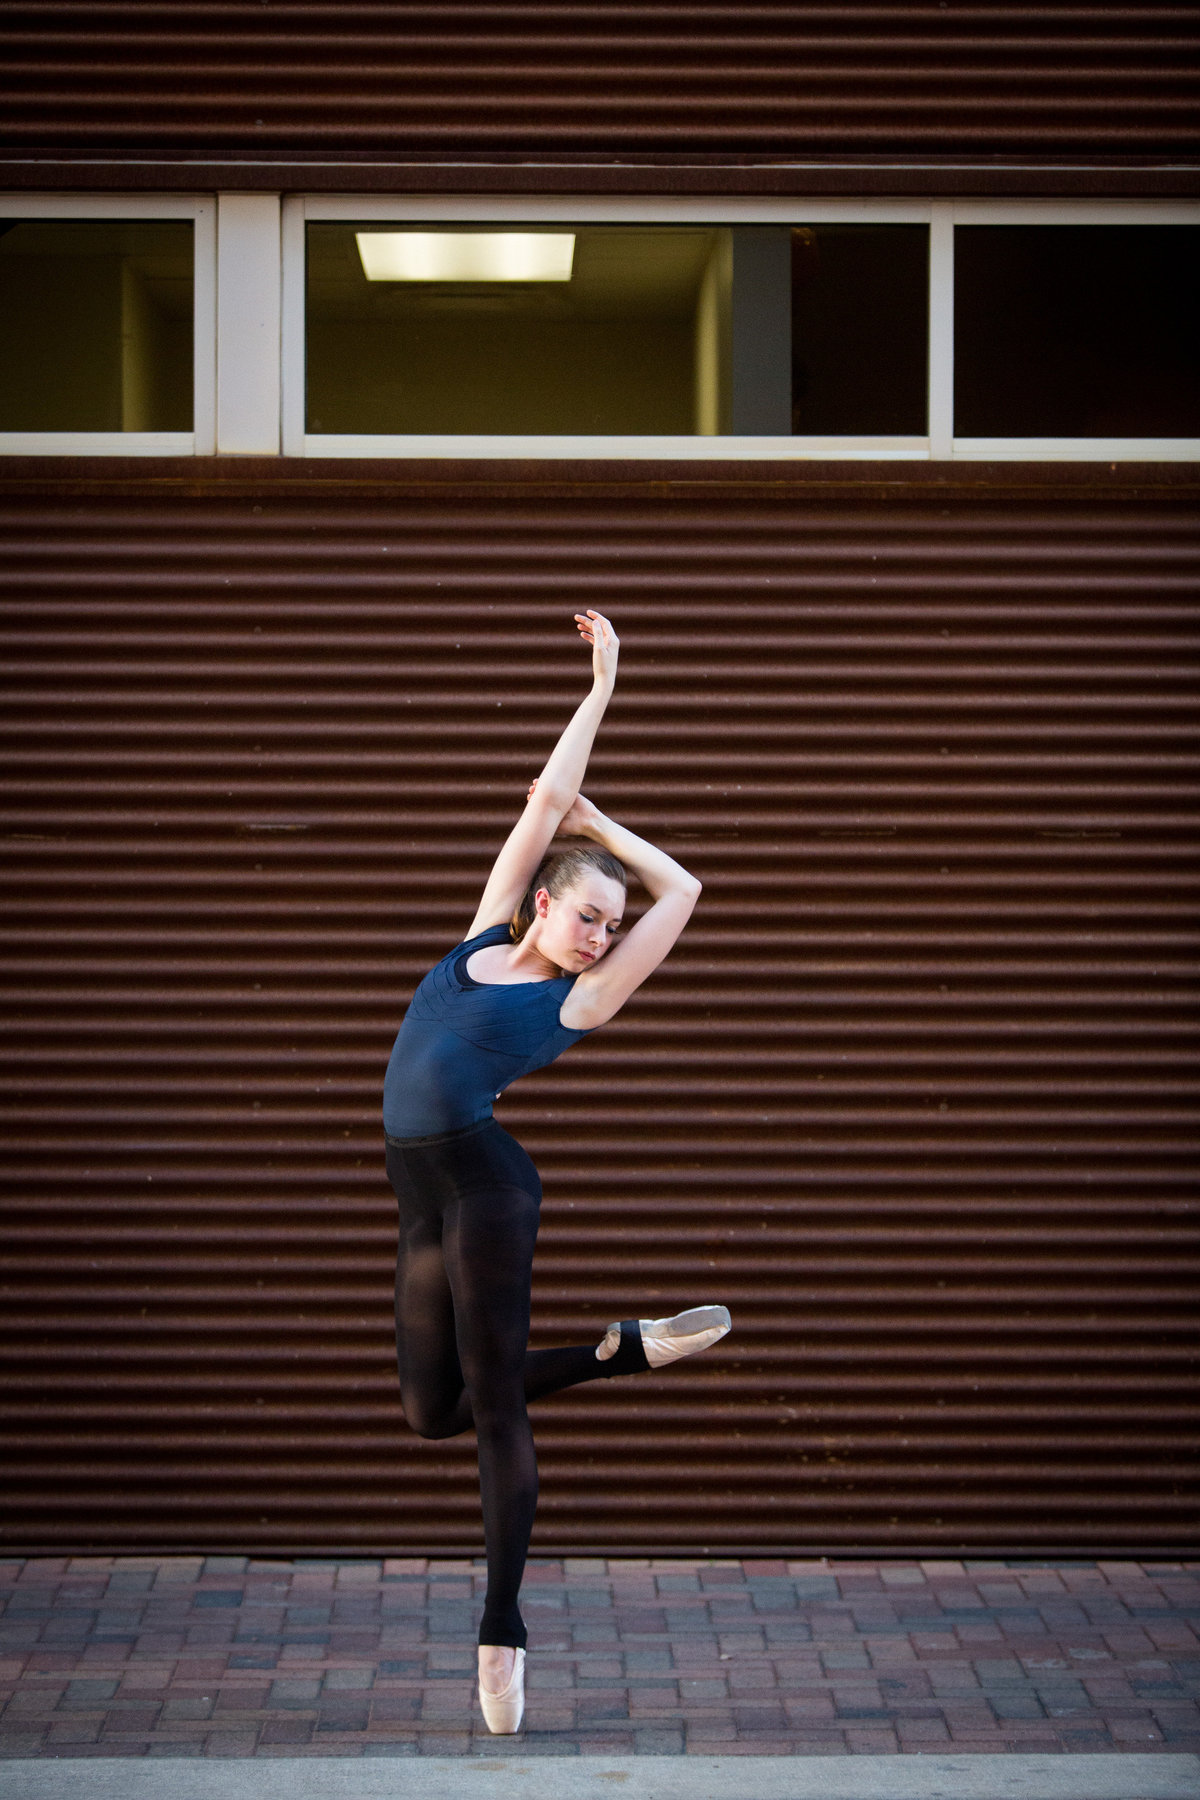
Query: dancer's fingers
[(605, 644)]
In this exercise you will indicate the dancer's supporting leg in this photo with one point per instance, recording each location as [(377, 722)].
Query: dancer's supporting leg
[(488, 1244)]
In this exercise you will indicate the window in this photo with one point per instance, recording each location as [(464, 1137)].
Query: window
[(860, 330), (536, 331), (97, 325), (679, 328), (784, 328), (107, 338), (1076, 331)]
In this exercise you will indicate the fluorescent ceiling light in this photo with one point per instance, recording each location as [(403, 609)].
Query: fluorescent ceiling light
[(466, 255)]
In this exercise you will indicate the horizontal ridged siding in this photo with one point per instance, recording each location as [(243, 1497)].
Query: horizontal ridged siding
[(915, 1095), (721, 80)]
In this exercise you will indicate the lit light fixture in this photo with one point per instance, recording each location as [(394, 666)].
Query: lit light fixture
[(466, 255)]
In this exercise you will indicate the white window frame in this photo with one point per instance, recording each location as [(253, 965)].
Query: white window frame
[(248, 376), (202, 211), (695, 211), (940, 215)]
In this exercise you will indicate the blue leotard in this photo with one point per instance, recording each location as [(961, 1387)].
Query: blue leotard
[(462, 1041)]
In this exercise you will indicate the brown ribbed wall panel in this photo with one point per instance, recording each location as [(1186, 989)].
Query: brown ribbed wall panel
[(916, 1094), (775, 78)]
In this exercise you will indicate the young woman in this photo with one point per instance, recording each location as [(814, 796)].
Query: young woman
[(536, 972)]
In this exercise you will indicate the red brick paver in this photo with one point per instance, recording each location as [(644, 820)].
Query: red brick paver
[(237, 1656)]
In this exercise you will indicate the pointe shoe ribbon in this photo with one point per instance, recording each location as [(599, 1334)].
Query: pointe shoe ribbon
[(503, 1712), (666, 1340)]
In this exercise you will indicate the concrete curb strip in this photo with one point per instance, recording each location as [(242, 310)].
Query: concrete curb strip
[(523, 1777)]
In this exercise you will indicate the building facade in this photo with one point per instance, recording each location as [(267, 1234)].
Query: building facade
[(865, 396)]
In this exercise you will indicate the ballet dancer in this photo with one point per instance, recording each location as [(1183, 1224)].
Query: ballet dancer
[(540, 968)]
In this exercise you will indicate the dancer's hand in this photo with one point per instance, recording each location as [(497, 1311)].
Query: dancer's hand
[(597, 631), (580, 819), (580, 816)]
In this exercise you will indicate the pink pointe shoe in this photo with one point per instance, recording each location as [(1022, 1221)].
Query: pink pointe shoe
[(503, 1710), (666, 1340)]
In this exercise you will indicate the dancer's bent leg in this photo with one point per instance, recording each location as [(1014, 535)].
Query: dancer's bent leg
[(432, 1387)]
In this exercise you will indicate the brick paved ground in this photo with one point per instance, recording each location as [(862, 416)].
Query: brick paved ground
[(229, 1656)]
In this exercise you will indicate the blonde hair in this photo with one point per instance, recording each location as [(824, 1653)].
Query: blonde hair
[(560, 870)]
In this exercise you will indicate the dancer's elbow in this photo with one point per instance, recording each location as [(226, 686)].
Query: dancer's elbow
[(686, 887)]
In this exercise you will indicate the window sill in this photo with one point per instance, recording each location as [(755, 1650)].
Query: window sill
[(98, 443), (755, 449)]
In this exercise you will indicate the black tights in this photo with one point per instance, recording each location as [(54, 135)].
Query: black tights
[(469, 1205)]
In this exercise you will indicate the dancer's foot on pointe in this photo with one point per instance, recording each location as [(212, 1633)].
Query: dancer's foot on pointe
[(501, 1687), (651, 1343)]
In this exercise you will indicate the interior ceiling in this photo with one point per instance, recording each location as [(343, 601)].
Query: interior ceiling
[(617, 273)]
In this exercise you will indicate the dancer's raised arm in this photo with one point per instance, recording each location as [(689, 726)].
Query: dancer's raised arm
[(556, 787)]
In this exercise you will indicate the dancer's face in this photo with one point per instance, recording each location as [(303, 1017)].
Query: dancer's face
[(578, 925)]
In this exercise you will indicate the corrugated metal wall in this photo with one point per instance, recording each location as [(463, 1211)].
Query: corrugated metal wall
[(915, 1095), (777, 77)]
